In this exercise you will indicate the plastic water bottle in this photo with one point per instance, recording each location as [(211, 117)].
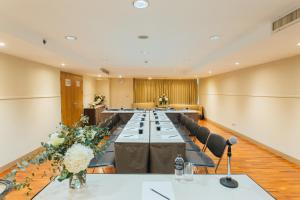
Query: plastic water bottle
[(179, 167)]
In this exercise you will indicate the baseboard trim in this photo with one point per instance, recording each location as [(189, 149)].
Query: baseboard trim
[(272, 150), (26, 156)]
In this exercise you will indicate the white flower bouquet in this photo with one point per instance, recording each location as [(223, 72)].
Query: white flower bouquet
[(70, 150), (98, 100), (163, 100)]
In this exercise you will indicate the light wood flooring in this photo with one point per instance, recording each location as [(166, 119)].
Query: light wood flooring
[(276, 175)]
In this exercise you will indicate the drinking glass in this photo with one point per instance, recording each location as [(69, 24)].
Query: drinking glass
[(188, 171)]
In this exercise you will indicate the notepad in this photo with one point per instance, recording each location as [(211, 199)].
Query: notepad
[(163, 187)]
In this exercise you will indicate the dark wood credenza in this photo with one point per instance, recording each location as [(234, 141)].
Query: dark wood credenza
[(94, 114)]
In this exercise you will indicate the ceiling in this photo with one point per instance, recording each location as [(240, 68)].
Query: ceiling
[(179, 33)]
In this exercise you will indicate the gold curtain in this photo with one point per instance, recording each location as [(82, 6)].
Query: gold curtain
[(178, 91)]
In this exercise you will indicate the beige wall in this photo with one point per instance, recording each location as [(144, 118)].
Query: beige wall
[(261, 102), (29, 104), (89, 90), (103, 88), (121, 92)]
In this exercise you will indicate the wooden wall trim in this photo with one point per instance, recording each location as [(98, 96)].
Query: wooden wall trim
[(272, 150), (254, 96), (28, 97)]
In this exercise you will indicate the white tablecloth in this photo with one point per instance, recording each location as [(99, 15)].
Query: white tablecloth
[(130, 187)]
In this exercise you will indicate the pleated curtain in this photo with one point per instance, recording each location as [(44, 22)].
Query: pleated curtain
[(178, 91)]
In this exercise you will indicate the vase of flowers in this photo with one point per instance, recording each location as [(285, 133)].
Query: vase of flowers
[(163, 100), (70, 150), (98, 100)]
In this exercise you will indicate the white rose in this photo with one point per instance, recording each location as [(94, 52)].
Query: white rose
[(55, 140), (77, 158)]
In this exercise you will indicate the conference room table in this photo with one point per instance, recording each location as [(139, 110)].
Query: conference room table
[(151, 151), (143, 187), (165, 145), (132, 146)]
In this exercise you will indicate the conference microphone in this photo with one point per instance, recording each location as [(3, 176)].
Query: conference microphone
[(232, 140), (228, 181)]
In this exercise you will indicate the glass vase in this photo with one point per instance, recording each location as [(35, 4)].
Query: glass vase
[(77, 181)]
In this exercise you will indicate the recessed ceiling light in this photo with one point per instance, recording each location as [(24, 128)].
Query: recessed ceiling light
[(63, 64), (99, 75), (214, 37), (120, 76), (237, 63), (149, 78), (298, 44), (70, 37), (141, 4), (2, 44), (143, 37), (210, 72), (144, 52)]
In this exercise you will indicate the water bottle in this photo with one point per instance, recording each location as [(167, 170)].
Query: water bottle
[(179, 167)]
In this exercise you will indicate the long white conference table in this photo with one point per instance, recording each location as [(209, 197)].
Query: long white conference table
[(138, 187), (152, 151)]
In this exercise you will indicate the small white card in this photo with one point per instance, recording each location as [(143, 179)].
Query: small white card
[(169, 137), (158, 190)]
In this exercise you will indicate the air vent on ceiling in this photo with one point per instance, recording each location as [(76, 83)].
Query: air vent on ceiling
[(105, 71), (287, 20)]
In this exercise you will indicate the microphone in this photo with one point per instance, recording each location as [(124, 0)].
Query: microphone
[(232, 140), (228, 181)]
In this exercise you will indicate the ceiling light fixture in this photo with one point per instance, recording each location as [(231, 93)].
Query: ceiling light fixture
[(214, 37), (144, 52), (149, 78), (120, 76), (63, 64), (70, 37), (143, 37), (210, 72), (140, 4), (2, 44), (298, 44), (237, 63)]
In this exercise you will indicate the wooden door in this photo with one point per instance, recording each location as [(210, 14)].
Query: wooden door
[(71, 97)]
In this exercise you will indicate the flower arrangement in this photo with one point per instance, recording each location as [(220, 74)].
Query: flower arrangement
[(163, 100), (98, 100), (70, 150)]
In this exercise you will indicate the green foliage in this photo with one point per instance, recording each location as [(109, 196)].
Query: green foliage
[(56, 148)]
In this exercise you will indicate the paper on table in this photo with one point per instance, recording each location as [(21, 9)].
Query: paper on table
[(130, 136), (168, 137), (163, 187)]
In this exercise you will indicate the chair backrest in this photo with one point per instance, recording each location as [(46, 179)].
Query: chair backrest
[(192, 126), (216, 144), (202, 134), (115, 119), (184, 119)]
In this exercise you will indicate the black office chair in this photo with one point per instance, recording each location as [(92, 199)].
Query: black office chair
[(5, 187), (202, 134), (216, 145)]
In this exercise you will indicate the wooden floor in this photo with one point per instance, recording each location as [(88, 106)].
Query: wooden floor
[(278, 176)]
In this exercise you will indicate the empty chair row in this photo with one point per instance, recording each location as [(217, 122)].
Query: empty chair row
[(215, 143)]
